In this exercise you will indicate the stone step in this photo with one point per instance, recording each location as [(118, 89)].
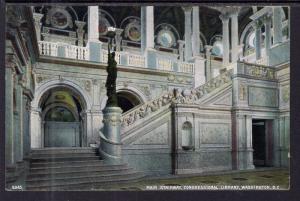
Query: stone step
[(64, 150), (53, 155), (91, 178), (49, 164), (79, 157), (86, 185), (75, 171), (67, 169)]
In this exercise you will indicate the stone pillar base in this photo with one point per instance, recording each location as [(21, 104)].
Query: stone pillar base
[(245, 159), (110, 140)]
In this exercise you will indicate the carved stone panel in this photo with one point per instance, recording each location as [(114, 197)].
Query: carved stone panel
[(214, 134), (285, 95), (158, 136), (263, 97)]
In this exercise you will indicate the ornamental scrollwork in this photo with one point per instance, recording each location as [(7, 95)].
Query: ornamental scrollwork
[(259, 71)]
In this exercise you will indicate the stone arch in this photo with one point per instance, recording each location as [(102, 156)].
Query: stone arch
[(37, 129), (70, 84), (129, 89)]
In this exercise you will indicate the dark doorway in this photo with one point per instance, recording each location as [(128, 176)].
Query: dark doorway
[(127, 101), (259, 142)]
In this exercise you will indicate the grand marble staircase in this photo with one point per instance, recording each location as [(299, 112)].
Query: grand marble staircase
[(74, 169), (142, 113)]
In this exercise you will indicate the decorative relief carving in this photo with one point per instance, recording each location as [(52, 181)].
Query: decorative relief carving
[(43, 78), (171, 78), (87, 85), (95, 82), (259, 71), (265, 97), (242, 92), (146, 90), (285, 94), (113, 120), (187, 96)]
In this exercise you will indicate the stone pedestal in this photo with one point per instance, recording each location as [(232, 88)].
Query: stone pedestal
[(110, 140)]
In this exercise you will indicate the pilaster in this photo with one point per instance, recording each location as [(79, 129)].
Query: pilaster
[(9, 123), (187, 32), (267, 23), (277, 25), (94, 45), (225, 39), (80, 32), (257, 27), (234, 36), (36, 128), (196, 32), (37, 24)]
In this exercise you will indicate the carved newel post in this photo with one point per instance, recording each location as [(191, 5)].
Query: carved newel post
[(110, 145)]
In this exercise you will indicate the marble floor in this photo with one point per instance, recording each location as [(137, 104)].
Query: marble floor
[(260, 179)]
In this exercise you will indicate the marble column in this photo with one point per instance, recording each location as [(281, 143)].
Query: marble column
[(208, 49), (37, 24), (147, 28), (257, 28), (277, 25), (147, 36), (196, 32), (36, 128), (94, 45), (26, 123), (234, 37), (225, 39), (9, 123), (181, 49), (21, 120), (118, 39), (267, 24), (89, 128), (187, 32), (80, 32)]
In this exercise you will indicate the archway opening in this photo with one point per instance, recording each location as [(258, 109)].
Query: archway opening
[(62, 124), (127, 100)]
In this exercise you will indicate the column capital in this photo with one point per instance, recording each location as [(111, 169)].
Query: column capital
[(224, 17), (119, 31), (257, 24), (37, 17), (235, 11), (187, 9), (267, 18), (80, 24)]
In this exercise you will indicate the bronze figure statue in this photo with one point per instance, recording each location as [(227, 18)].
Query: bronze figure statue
[(110, 84)]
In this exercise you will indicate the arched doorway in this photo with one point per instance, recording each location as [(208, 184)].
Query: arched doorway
[(62, 123), (127, 100)]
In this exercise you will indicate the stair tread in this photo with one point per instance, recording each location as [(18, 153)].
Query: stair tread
[(77, 171), (72, 166), (54, 162)]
